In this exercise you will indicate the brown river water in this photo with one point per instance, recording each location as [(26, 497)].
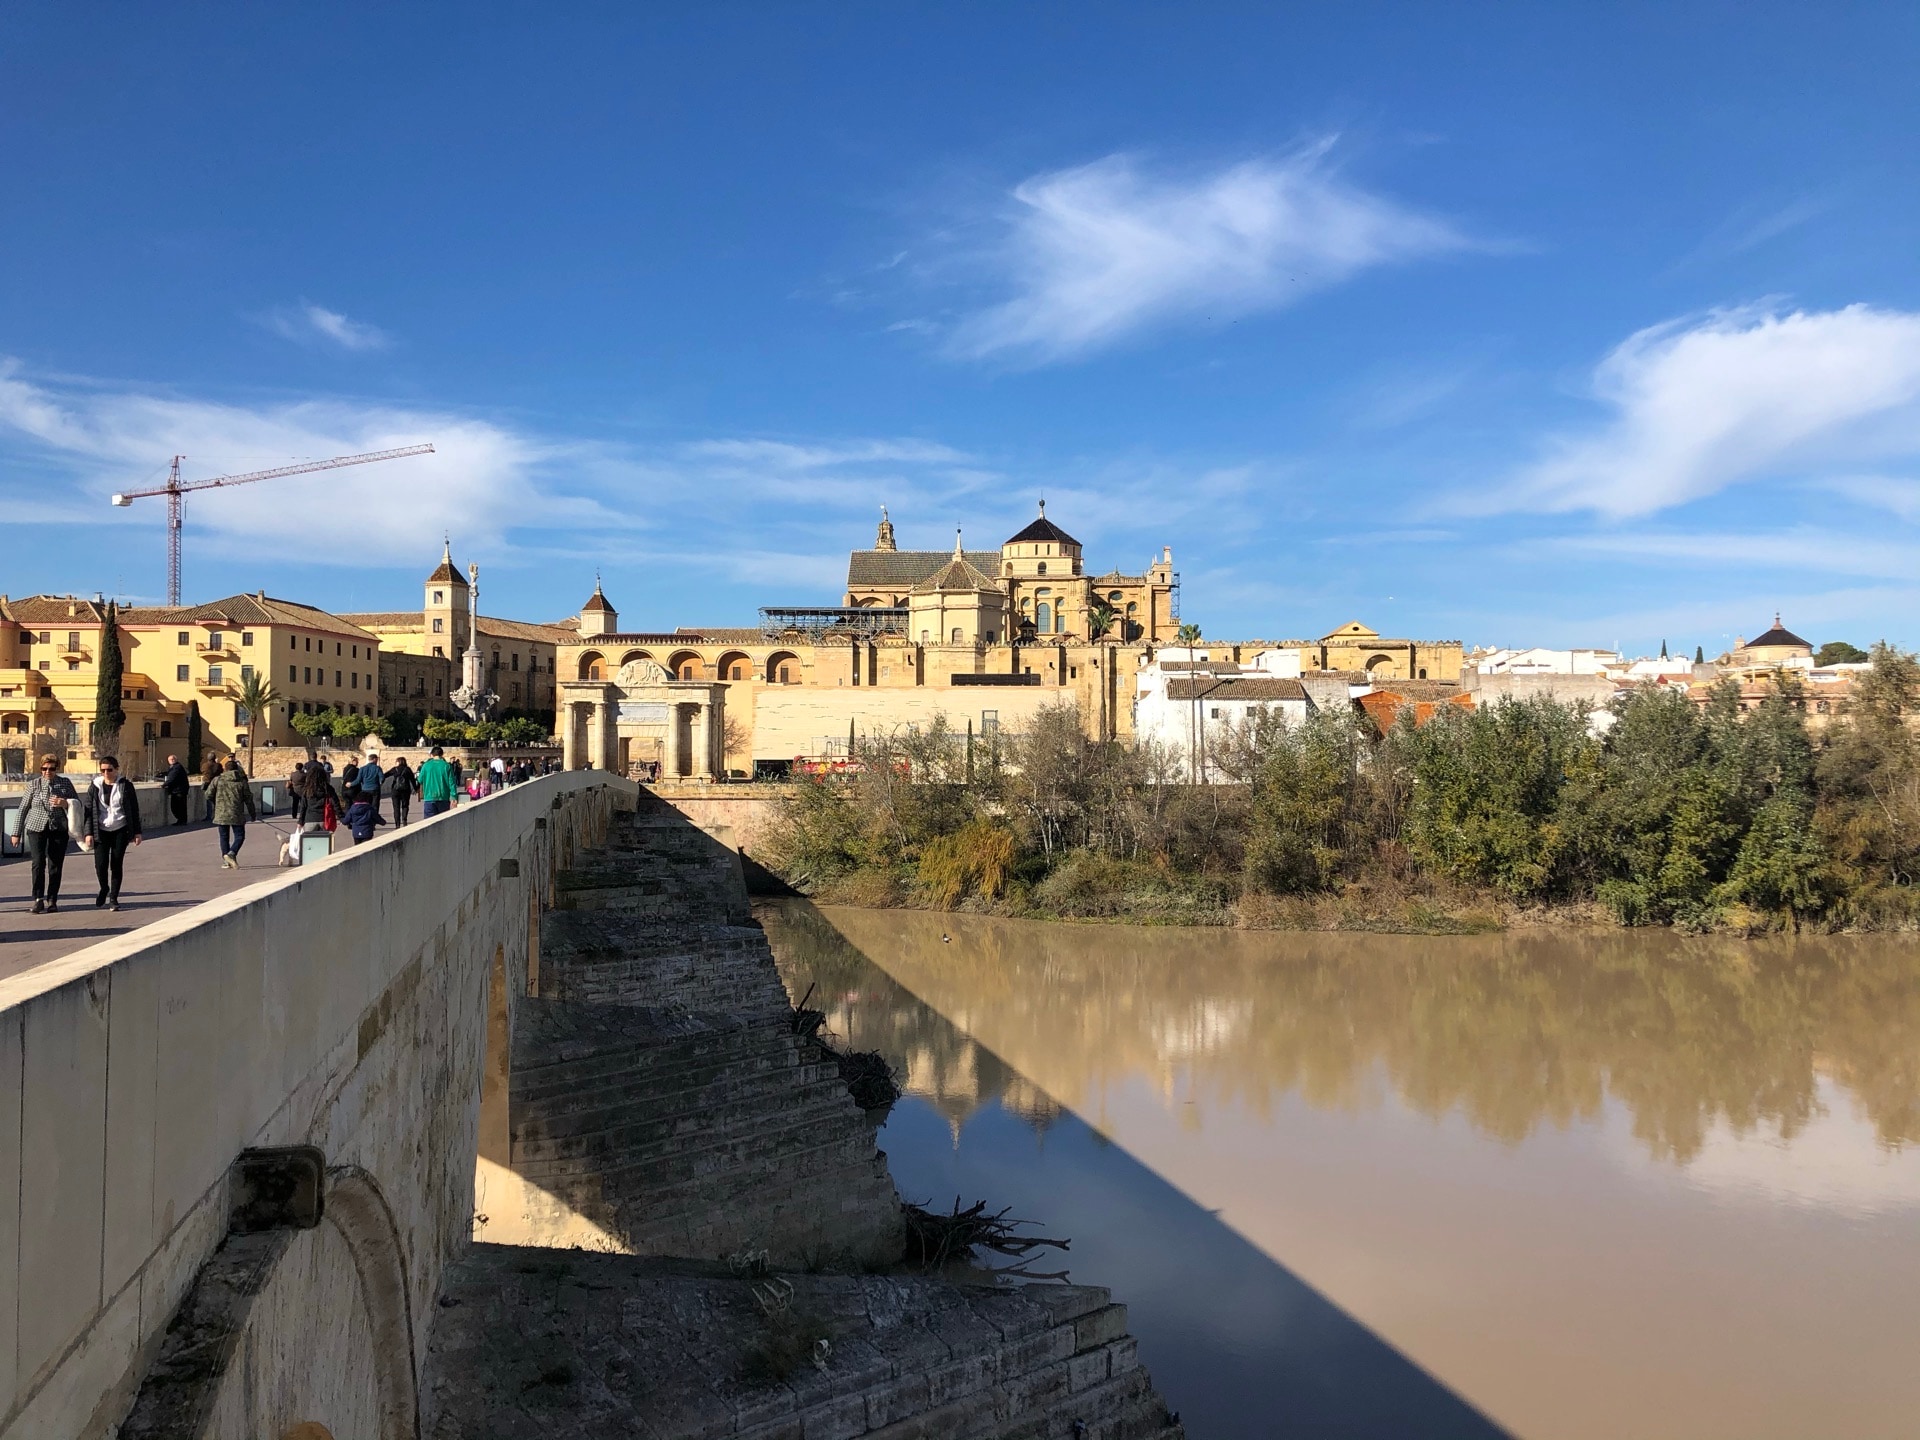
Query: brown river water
[(1611, 1184)]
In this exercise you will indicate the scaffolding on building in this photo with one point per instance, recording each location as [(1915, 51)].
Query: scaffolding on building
[(822, 622)]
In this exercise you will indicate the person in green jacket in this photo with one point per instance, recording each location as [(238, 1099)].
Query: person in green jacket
[(232, 806), (436, 785)]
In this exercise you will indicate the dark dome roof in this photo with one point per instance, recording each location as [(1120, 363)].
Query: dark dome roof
[(1777, 636), (1042, 531)]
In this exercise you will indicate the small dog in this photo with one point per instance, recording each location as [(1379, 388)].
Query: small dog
[(286, 852)]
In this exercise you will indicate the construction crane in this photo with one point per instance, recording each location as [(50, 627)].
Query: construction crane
[(176, 494)]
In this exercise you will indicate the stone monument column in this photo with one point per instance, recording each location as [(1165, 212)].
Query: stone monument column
[(569, 735), (597, 735), (670, 764), (703, 744)]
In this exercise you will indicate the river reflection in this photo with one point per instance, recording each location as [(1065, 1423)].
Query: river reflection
[(1624, 1183)]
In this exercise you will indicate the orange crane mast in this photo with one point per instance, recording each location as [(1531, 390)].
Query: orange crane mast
[(176, 495)]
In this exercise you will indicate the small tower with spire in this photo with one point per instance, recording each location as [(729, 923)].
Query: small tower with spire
[(883, 538), (597, 616), (445, 608)]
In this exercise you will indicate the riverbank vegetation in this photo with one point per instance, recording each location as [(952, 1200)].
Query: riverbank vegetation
[(1702, 816)]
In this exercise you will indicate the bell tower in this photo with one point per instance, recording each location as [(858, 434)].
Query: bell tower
[(445, 609)]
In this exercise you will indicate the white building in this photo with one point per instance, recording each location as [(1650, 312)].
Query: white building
[(1539, 660), (1190, 703)]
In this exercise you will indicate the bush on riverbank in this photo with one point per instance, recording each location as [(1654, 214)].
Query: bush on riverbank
[(1698, 816)]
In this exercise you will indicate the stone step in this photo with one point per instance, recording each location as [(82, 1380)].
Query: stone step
[(628, 1038), (766, 1079), (660, 1167), (616, 1127), (648, 1066)]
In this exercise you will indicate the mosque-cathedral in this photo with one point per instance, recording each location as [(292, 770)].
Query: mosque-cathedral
[(981, 637)]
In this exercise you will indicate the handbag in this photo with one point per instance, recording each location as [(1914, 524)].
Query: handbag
[(329, 817)]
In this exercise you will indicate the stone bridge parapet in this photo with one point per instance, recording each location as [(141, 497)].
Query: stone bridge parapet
[(343, 1006)]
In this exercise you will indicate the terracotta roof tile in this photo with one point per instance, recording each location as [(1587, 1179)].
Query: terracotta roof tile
[(903, 569)]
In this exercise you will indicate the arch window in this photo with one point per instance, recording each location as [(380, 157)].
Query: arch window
[(1043, 616), (733, 666), (1043, 567), (593, 666), (783, 668), (688, 666), (633, 655), (955, 637)]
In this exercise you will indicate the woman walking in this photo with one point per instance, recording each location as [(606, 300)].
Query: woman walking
[(232, 807), (110, 822), (45, 811)]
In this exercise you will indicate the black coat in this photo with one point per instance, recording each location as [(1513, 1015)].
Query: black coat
[(174, 782), (90, 809)]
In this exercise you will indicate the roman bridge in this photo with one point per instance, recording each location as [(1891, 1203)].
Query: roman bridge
[(285, 1166)]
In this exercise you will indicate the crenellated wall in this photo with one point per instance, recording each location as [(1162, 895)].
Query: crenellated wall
[(347, 1006)]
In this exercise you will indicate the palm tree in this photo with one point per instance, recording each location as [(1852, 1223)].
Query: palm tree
[(1189, 634), (257, 697), (1100, 618)]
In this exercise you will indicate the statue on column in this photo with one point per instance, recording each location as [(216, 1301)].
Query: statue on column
[(473, 699)]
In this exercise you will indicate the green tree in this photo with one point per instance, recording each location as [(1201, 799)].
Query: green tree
[(1868, 813), (196, 737), (1839, 652), (257, 698), (1100, 618), (1488, 786), (109, 715), (1189, 634), (1699, 654), (1304, 805)]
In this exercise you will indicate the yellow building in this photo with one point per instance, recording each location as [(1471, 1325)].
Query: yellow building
[(172, 657), (1041, 576), (423, 650), (1358, 648), (1773, 649)]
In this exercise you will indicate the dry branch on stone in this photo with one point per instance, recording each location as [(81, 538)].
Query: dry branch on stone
[(934, 1240)]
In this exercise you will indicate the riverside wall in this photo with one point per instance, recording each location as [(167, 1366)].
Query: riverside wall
[(355, 1006)]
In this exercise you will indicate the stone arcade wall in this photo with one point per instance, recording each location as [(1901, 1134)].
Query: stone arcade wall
[(343, 1006)]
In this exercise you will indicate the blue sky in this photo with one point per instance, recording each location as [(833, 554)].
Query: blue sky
[(1515, 324)]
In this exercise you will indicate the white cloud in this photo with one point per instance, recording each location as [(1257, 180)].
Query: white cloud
[(1738, 395), (1099, 252), (480, 478), (307, 322)]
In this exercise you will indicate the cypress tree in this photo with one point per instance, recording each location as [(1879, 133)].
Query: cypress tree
[(108, 713), (194, 737), (1699, 654), (1663, 650)]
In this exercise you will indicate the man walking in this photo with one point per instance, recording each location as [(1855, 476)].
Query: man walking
[(404, 784), (45, 817), (369, 781), (209, 776), (173, 784), (436, 785), (232, 807), (110, 822)]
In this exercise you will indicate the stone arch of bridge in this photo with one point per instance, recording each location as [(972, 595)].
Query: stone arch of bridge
[(205, 1348)]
